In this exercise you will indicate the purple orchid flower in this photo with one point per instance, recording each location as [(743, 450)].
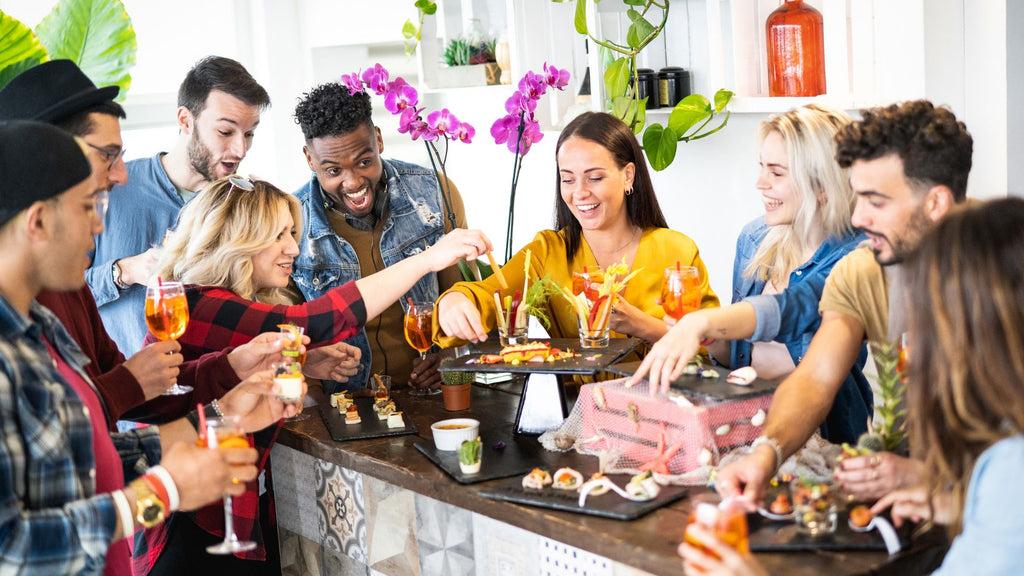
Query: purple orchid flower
[(400, 96), (352, 82), (443, 121), (376, 78), (464, 133), (555, 78), (520, 102), (531, 134), (504, 129), (533, 85)]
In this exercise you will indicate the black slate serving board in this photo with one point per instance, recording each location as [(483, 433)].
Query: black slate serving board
[(589, 361), (773, 536), (520, 455), (716, 388), (609, 505), (370, 427)]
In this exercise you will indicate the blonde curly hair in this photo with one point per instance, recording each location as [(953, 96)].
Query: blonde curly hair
[(220, 232)]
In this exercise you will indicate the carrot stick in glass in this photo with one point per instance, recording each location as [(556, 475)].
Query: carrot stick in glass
[(497, 271)]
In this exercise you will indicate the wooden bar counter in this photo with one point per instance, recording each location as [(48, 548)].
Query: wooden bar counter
[(375, 470)]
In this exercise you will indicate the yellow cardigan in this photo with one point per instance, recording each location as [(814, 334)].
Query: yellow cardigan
[(659, 248)]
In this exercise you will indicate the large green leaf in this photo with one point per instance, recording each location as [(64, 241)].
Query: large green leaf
[(660, 146), (639, 30), (19, 49), (580, 20), (95, 34), (722, 98), (427, 6), (616, 78), (690, 110)]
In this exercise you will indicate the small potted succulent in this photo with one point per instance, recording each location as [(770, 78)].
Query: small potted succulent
[(469, 456), (455, 389)]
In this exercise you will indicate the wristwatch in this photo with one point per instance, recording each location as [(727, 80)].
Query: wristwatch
[(115, 272), (149, 509)]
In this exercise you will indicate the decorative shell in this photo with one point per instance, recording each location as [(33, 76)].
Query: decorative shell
[(758, 418), (742, 376), (599, 398), (723, 430), (704, 458)]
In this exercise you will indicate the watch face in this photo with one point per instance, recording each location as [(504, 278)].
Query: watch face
[(152, 513)]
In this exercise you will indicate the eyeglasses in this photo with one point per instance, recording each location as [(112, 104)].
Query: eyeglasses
[(240, 183), (110, 157)]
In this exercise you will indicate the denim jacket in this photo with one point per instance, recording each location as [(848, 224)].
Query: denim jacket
[(854, 402), (414, 223)]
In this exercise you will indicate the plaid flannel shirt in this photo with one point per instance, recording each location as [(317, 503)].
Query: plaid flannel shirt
[(219, 318), (51, 520)]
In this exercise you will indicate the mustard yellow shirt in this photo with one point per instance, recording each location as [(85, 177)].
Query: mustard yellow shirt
[(659, 248)]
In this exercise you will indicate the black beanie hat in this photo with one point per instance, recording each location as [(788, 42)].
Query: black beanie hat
[(37, 162)]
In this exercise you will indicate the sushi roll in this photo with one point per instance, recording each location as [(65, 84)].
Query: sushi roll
[(567, 479), (643, 486), (537, 479), (601, 486)]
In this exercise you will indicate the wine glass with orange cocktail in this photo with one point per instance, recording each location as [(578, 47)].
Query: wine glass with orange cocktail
[(680, 291), (167, 318), (226, 433), (419, 329)]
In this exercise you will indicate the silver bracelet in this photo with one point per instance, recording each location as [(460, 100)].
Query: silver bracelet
[(775, 447), (220, 414)]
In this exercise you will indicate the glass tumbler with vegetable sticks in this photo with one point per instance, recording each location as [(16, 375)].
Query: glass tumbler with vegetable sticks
[(167, 318)]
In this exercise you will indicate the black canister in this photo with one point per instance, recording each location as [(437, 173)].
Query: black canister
[(673, 85), (648, 87)]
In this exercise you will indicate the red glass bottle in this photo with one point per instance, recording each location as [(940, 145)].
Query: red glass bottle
[(796, 50)]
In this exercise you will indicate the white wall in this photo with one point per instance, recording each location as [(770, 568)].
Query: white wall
[(291, 45)]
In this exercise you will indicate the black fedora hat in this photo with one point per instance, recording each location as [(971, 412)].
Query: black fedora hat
[(51, 92)]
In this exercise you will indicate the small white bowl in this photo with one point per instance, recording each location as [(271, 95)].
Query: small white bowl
[(449, 434)]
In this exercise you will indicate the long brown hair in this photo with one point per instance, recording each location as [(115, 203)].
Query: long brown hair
[(642, 207), (966, 387)]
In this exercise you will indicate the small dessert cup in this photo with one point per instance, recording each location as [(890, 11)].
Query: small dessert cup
[(814, 503)]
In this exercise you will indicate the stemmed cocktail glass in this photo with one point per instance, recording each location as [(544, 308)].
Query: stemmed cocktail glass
[(167, 318), (226, 433), (419, 319)]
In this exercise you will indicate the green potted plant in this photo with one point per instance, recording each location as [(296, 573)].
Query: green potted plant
[(469, 456), (456, 388), (469, 62)]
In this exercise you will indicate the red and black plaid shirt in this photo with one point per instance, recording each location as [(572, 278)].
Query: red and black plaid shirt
[(218, 319)]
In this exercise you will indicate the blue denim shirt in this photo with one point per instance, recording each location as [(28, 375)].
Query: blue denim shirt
[(847, 419), (993, 521), (414, 223), (139, 214)]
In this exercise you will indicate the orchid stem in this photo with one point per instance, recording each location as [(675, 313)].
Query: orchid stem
[(445, 193), (515, 182)]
